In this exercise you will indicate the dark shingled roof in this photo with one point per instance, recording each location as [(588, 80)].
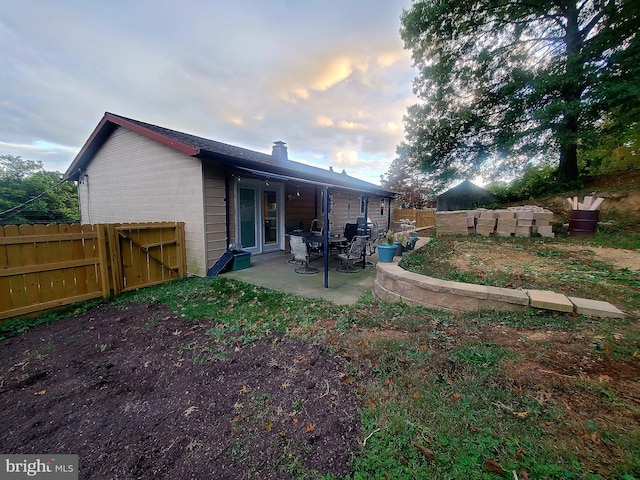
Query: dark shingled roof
[(191, 145), (464, 196)]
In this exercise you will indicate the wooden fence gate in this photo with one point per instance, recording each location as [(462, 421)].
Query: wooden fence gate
[(48, 266), (145, 255)]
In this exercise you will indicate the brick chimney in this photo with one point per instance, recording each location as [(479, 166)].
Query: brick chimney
[(280, 151)]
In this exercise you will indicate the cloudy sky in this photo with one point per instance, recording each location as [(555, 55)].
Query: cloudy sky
[(328, 77)]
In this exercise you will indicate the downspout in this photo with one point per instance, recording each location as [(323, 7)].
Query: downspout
[(366, 229), (85, 180), (325, 235), (366, 214)]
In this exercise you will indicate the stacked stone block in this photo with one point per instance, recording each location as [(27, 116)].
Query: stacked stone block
[(524, 223), (452, 223), (507, 223), (532, 220), (486, 223), (543, 221), (519, 221)]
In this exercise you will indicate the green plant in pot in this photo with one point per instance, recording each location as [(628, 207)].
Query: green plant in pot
[(387, 248)]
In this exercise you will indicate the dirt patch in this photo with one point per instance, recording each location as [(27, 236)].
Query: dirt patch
[(619, 257), (605, 274), (137, 392), (517, 261)]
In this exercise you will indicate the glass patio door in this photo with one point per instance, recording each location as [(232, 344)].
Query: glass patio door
[(260, 221), (247, 204), (270, 209)]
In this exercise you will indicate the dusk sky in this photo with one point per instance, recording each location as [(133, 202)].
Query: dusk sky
[(328, 77)]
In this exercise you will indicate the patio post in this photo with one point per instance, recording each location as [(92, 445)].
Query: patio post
[(325, 235)]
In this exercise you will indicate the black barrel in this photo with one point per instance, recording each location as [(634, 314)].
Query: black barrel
[(583, 223)]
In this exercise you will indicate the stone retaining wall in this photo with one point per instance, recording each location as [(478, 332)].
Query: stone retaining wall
[(393, 284)]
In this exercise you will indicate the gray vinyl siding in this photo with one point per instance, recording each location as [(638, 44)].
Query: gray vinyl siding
[(215, 213), (346, 209)]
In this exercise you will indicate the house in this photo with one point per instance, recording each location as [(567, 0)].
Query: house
[(464, 196), (131, 171)]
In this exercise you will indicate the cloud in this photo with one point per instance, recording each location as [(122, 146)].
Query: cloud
[(312, 74), (235, 120), (324, 121), (347, 158), (335, 71), (347, 125)]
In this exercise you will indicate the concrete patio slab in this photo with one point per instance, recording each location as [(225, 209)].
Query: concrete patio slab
[(274, 271)]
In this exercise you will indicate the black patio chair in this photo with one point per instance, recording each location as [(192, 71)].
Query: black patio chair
[(364, 228), (350, 231)]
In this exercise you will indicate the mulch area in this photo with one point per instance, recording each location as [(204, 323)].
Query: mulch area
[(138, 392)]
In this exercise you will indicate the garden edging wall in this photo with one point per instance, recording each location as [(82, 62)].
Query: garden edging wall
[(393, 284)]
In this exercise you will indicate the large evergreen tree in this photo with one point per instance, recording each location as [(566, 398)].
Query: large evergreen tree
[(505, 82)]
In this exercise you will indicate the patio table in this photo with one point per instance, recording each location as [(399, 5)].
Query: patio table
[(338, 243)]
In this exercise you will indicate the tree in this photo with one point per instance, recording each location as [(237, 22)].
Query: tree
[(29, 194), (508, 82), (414, 186)]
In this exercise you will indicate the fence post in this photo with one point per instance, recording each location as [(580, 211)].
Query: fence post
[(104, 260), (181, 250), (114, 256)]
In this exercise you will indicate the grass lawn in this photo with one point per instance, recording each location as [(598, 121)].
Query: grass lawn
[(444, 396)]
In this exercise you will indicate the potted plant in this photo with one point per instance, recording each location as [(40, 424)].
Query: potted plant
[(413, 238), (401, 241), (387, 249)]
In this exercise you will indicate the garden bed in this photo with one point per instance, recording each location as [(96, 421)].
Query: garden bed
[(571, 268)]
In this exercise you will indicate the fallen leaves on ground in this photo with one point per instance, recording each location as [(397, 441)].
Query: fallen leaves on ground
[(493, 466), (425, 451), (193, 444), (189, 411)]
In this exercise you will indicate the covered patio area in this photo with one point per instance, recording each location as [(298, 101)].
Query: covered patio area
[(274, 271)]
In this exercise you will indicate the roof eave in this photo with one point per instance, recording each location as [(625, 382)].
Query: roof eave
[(282, 171), (102, 132)]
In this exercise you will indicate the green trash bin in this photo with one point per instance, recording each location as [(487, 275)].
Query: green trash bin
[(241, 261)]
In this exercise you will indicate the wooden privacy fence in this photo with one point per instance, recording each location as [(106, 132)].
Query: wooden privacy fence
[(423, 218), (48, 266)]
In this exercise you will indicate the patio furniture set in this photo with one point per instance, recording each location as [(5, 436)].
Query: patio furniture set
[(352, 248)]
